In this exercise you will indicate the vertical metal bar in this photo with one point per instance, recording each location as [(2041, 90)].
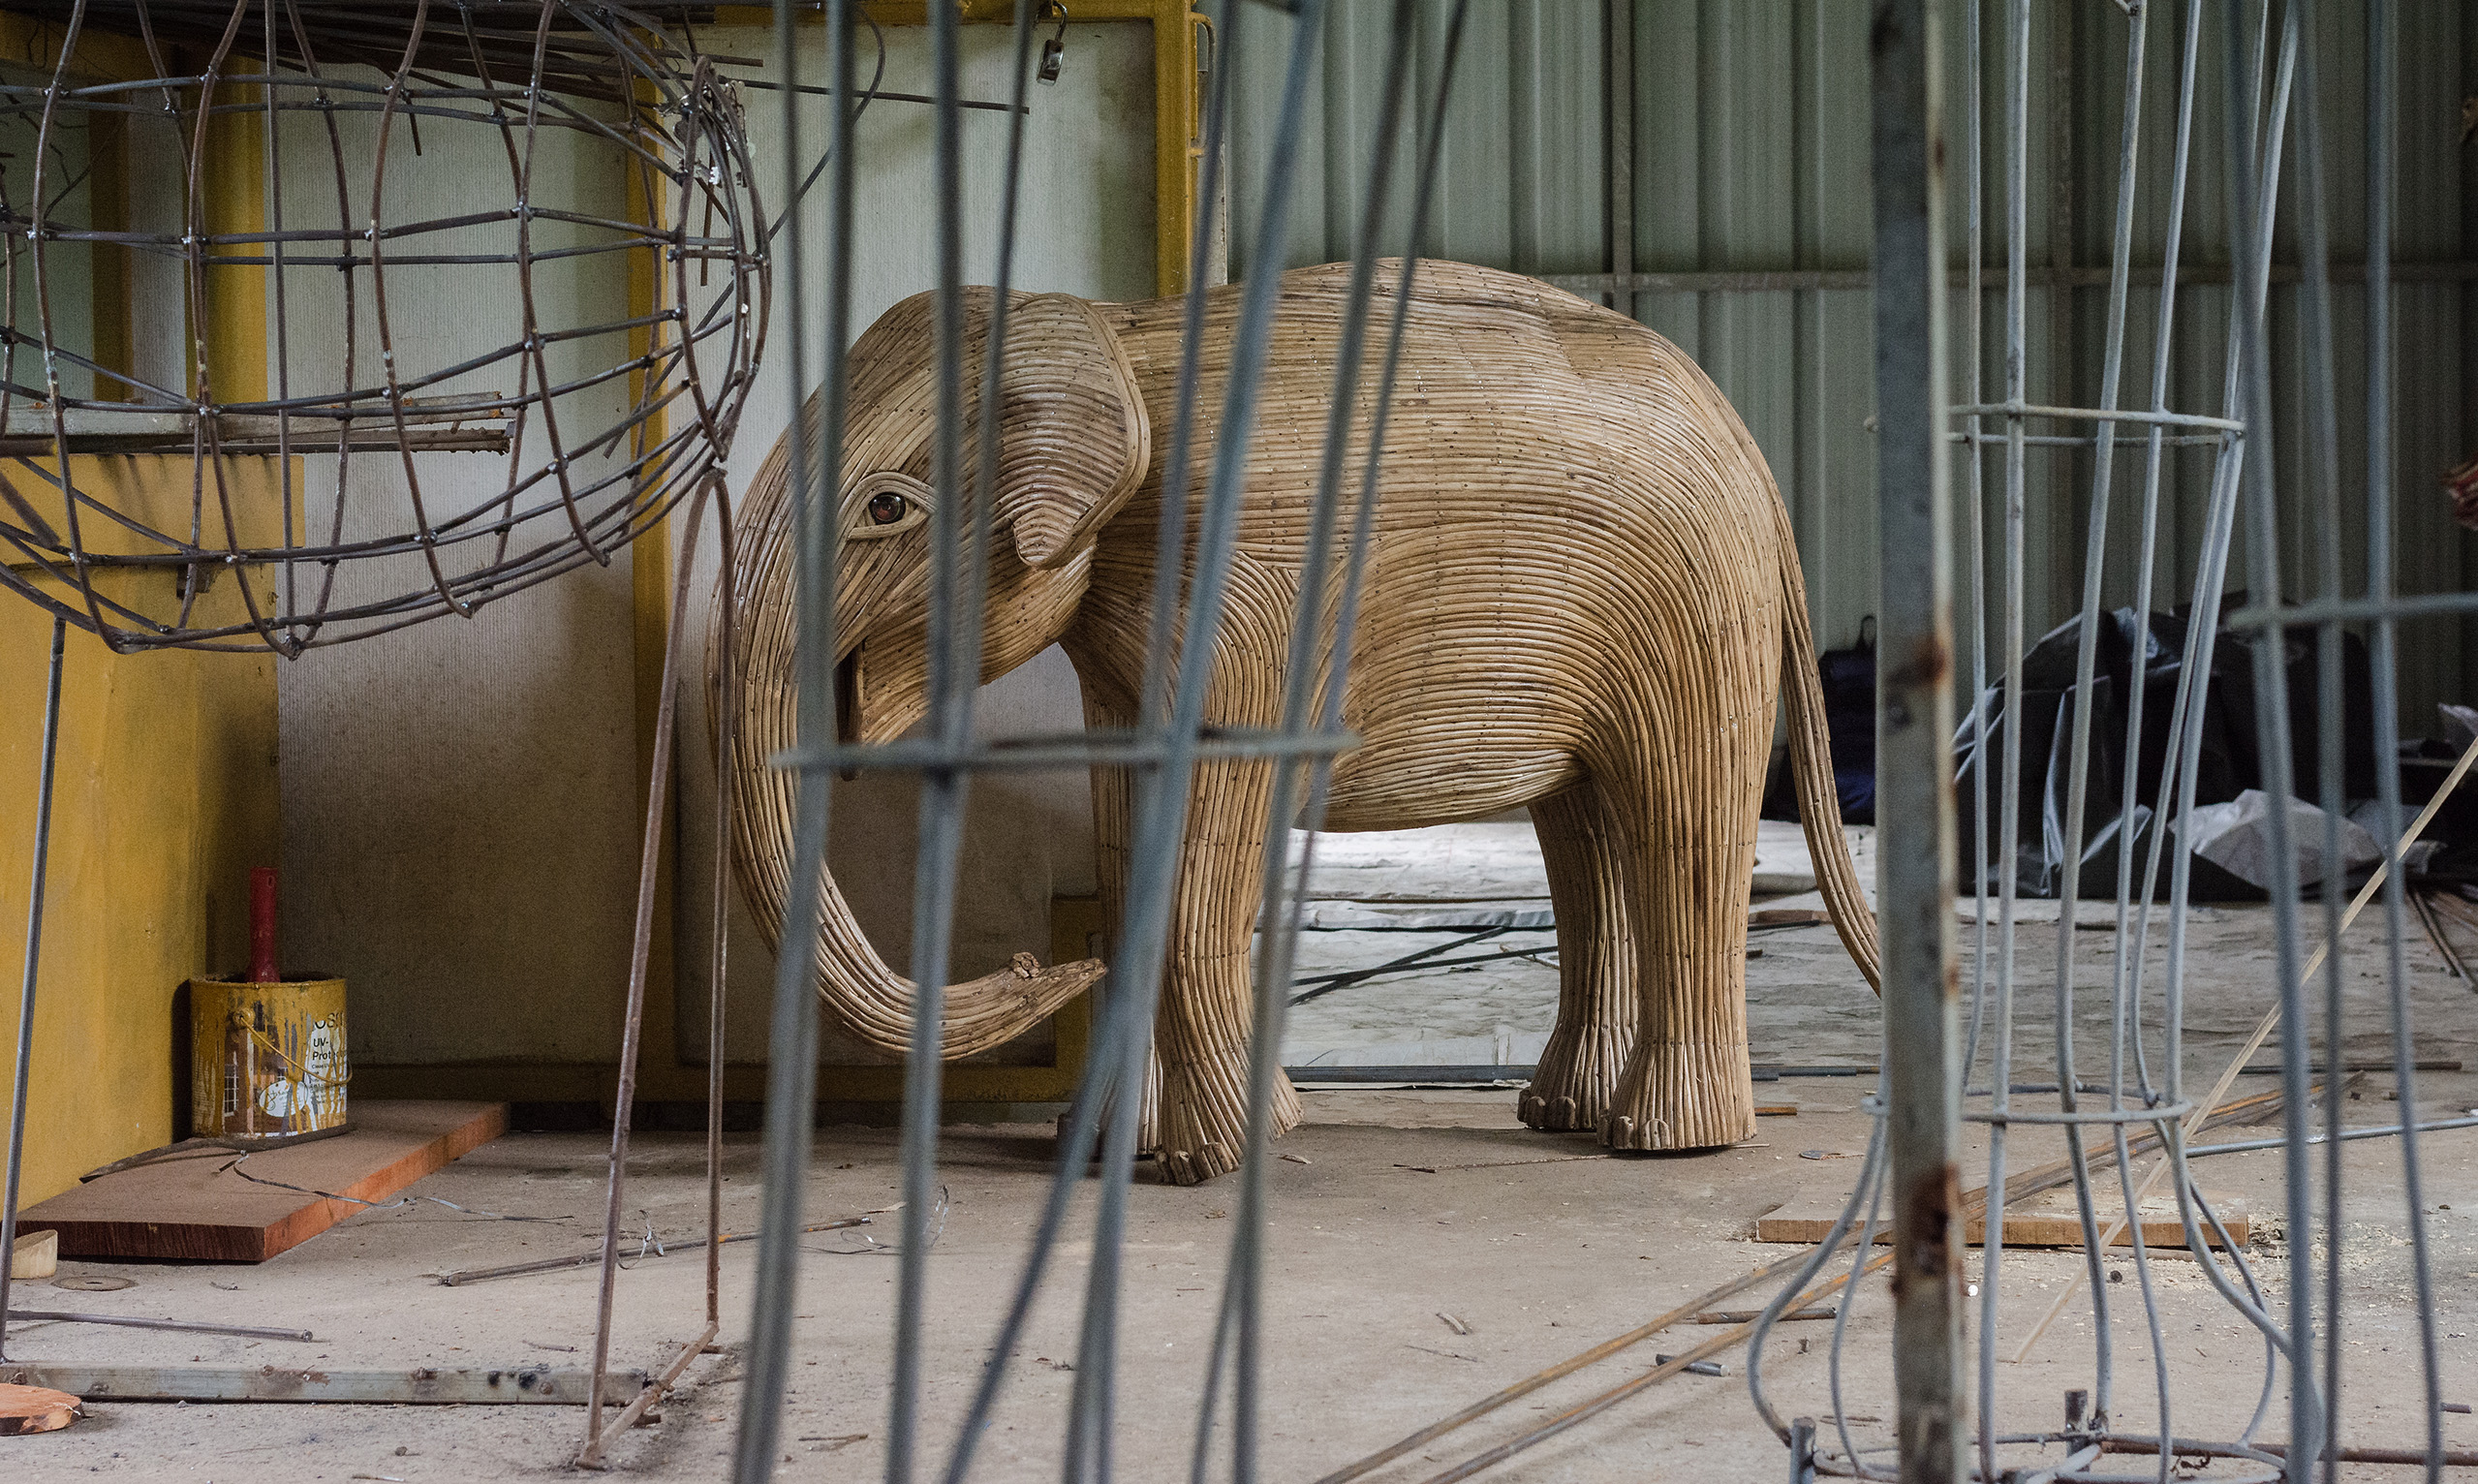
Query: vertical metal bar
[(958, 578), (1244, 1304), (954, 612), (1617, 106), (1976, 306), (2321, 495), (2127, 967), (1125, 1018), (2057, 25), (1922, 1070), (2383, 662), (2009, 833), (273, 164), (658, 794), (726, 787), (2248, 243), (34, 962), (791, 1066), (1161, 813), (2077, 768)]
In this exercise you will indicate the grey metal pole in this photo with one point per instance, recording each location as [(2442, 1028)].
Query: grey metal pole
[(1923, 1074), (27, 995)]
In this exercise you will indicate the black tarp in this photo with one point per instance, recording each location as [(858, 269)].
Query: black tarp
[(2230, 761), (1849, 678)]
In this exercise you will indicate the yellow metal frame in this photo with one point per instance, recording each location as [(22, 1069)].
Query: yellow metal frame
[(1178, 146)]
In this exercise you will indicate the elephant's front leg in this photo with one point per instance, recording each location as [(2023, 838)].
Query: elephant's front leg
[(1208, 1008)]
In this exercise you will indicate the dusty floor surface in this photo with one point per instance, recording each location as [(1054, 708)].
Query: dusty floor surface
[(1414, 1204), (1391, 1209)]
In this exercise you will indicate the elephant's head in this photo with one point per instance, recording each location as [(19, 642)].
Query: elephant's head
[(1073, 445)]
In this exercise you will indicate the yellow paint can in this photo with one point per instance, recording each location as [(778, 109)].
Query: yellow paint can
[(267, 1061)]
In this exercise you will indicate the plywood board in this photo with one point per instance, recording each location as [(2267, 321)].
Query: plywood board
[(190, 1206), (2045, 1220)]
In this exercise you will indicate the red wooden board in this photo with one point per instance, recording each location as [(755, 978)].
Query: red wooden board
[(189, 1206)]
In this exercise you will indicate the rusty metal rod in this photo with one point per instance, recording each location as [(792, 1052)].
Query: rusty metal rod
[(653, 1390), (658, 1249), (186, 1326), (2450, 1458)]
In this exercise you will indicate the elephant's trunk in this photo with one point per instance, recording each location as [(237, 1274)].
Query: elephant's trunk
[(869, 998), (875, 1004)]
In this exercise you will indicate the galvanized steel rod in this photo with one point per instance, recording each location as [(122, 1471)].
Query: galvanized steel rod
[(2383, 663), (792, 1063), (2250, 329), (2015, 407), (2320, 468), (1244, 1292), (958, 535), (2345, 1135), (1923, 1071), (2185, 735), (1162, 816), (2127, 970), (2009, 828), (1977, 495), (2077, 768), (1116, 1071), (33, 965)]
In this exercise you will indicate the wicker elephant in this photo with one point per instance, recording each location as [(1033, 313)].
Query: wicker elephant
[(1582, 597)]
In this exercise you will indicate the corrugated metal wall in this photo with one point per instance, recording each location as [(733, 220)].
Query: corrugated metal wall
[(1741, 135)]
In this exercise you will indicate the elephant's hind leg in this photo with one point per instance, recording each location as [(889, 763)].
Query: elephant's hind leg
[(1692, 817), (1584, 845)]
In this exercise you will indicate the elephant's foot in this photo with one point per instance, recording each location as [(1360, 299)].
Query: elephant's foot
[(1570, 1089), (1204, 1116), (1680, 1095)]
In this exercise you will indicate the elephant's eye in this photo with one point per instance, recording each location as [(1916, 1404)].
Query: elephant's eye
[(886, 504)]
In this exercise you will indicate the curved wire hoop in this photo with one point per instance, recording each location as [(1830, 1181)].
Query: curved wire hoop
[(603, 355)]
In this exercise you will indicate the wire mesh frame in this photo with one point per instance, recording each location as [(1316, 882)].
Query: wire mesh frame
[(699, 158), (595, 72), (1163, 750), (2309, 1342)]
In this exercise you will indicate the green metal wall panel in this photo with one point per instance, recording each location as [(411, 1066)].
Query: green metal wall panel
[(1747, 129)]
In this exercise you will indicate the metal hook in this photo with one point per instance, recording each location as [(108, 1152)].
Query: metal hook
[(1053, 51)]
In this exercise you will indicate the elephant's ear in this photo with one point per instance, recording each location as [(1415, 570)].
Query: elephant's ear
[(1073, 439)]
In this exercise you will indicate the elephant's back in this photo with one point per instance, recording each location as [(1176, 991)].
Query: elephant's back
[(1566, 506), (1527, 427), (1499, 372)]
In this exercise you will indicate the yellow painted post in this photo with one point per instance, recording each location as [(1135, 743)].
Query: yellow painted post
[(661, 1074), (167, 797), (166, 760), (234, 184)]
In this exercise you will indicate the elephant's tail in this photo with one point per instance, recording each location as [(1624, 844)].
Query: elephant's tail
[(1811, 760)]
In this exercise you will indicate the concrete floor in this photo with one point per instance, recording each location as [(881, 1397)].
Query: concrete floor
[(1412, 1203), (1395, 1207)]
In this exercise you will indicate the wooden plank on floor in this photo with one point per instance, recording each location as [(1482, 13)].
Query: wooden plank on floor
[(2046, 1220), (189, 1207)]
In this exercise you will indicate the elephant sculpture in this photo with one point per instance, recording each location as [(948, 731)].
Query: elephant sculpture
[(1581, 593)]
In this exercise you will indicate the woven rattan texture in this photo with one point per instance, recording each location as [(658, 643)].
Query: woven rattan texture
[(1582, 596)]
